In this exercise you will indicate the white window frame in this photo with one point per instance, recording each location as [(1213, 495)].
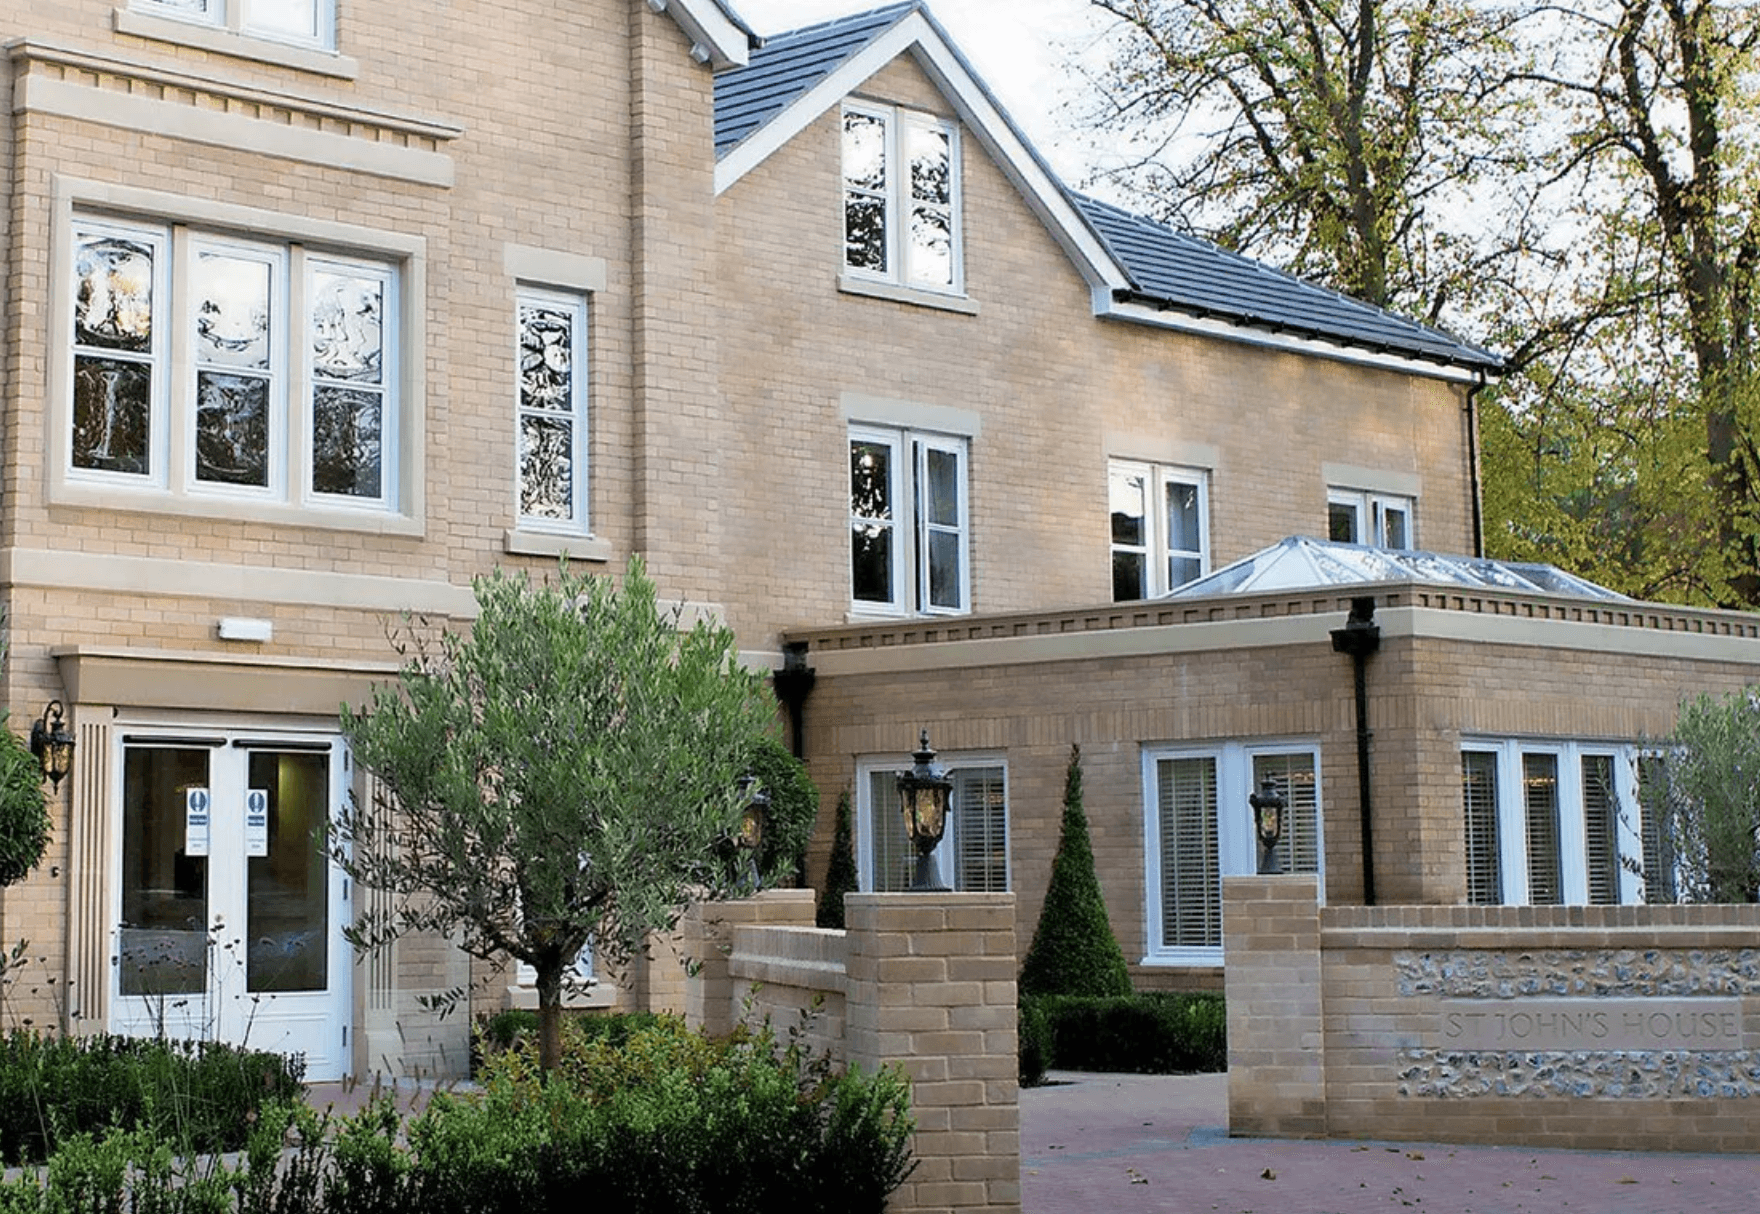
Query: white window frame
[(240, 17), (1512, 823), (898, 122), (576, 304), (911, 528), (171, 481), (1237, 844), (1156, 549), (946, 853), (1372, 512)]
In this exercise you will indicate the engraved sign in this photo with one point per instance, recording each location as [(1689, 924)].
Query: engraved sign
[(1590, 1024)]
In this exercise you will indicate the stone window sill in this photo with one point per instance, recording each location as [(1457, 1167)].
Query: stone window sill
[(914, 296), (235, 45)]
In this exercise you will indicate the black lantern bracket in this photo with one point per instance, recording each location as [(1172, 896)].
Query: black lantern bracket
[(52, 744)]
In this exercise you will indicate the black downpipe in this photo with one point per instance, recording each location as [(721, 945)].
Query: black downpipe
[(1360, 637), (1473, 473), (793, 683)]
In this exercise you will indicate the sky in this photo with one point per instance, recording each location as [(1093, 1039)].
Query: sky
[(1025, 50)]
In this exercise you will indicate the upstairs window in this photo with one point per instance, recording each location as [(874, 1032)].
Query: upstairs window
[(301, 22), (901, 198), (551, 443), (1381, 520), (1160, 528), (909, 550), (207, 365)]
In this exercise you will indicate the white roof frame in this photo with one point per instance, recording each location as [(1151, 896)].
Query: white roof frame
[(715, 39)]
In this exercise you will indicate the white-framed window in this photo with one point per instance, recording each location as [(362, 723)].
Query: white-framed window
[(1160, 518), (1551, 823), (973, 854), (901, 198), (580, 974), (258, 370), (551, 411), (1381, 520), (1198, 828), (300, 22), (908, 511)]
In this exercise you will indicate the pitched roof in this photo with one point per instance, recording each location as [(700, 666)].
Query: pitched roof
[(718, 35), (1140, 271), (1303, 563), (1171, 270)]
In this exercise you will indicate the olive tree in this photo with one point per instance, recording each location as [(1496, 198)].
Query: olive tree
[(567, 771), (1702, 804)]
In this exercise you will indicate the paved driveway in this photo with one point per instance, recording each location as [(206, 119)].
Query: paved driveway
[(1136, 1144)]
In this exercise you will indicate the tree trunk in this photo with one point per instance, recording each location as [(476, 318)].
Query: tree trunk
[(549, 1019)]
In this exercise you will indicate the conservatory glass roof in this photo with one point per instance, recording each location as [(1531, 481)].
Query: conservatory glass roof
[(1302, 563)]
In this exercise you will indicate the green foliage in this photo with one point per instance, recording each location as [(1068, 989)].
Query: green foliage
[(563, 772), (1035, 1041), (1704, 809), (794, 803), (1154, 1033), (24, 813), (840, 874), (202, 1096), (1074, 951)]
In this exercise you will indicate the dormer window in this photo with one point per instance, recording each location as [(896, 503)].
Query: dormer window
[(901, 198)]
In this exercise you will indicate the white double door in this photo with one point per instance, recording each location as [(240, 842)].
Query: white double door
[(229, 910)]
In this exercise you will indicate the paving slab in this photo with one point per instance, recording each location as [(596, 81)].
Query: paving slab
[(1148, 1144)]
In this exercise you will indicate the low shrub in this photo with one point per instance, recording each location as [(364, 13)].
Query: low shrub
[(1156, 1033), (1035, 1041), (198, 1096)]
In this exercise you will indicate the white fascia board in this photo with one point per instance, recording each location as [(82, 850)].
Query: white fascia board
[(1108, 308), (914, 33), (714, 39)]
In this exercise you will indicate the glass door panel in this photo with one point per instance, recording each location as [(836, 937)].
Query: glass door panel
[(288, 878), (162, 946)]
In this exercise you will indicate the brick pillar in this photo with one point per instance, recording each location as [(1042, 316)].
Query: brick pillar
[(711, 999), (1276, 1038), (932, 989)]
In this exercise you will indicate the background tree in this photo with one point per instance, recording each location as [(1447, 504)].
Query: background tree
[(1702, 803), (840, 874), (1074, 951), (563, 772)]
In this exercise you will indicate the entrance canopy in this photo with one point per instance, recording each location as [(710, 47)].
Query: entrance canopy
[(1301, 562)]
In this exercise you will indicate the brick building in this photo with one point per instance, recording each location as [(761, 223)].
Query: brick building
[(316, 308)]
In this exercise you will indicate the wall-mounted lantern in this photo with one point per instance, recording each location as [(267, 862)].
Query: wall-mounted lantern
[(923, 793), (1268, 806), (752, 820), (52, 744)]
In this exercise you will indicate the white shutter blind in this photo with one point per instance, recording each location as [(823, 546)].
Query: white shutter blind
[(1298, 851), (1600, 830), (980, 828), (1479, 807), (1540, 795), (1191, 875), (1659, 883), (894, 861)]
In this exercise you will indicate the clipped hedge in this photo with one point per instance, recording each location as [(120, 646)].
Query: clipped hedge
[(1153, 1033), (200, 1096)]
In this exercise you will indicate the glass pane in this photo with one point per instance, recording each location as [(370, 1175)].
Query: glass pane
[(1479, 808), (1183, 531), (113, 298), (864, 233), (1600, 814), (1341, 523), (870, 480), (1127, 576), (346, 442), (546, 467), (348, 327), (1393, 527), (232, 311), (864, 151), (980, 825), (288, 890), (1540, 792), (283, 18), (1298, 850), (931, 259), (931, 164), (1127, 495), (871, 562), (192, 8), (546, 357), (946, 585), (943, 487), (894, 861), (162, 945), (232, 429), (112, 415), (1658, 838), (1191, 872), (1183, 569)]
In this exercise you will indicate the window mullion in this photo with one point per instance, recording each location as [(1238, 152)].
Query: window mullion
[(298, 445), (174, 427)]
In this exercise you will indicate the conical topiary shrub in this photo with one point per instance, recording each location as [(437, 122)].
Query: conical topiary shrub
[(1074, 951), (840, 875)]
